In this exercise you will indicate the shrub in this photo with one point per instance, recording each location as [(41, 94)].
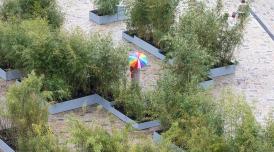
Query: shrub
[(12, 41), (26, 104), (106, 7), (27, 110), (190, 61), (42, 139), (225, 125), (85, 64), (27, 9), (98, 140), (151, 19), (213, 31), (135, 103)]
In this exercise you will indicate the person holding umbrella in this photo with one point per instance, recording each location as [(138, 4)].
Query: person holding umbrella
[(137, 61)]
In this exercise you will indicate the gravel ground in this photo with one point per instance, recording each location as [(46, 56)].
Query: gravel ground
[(94, 116)]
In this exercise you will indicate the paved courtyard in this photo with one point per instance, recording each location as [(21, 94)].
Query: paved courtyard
[(254, 75)]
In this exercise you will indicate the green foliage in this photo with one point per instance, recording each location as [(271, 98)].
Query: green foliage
[(106, 7), (226, 125), (12, 41), (213, 31), (28, 112), (190, 61), (85, 63), (96, 139), (135, 103), (151, 19), (41, 139), (269, 136), (26, 104), (13, 10)]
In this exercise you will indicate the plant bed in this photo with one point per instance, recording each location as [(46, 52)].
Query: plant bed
[(207, 83), (222, 71), (157, 138), (106, 19), (144, 45), (7, 141), (10, 74), (137, 125), (72, 104)]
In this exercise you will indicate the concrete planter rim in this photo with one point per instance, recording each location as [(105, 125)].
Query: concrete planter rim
[(5, 147), (10, 74), (156, 52), (222, 71)]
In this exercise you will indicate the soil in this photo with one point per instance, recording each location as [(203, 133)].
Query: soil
[(8, 136)]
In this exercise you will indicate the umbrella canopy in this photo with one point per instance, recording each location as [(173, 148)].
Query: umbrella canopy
[(137, 60)]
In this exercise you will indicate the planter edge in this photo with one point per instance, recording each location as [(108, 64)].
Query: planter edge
[(72, 104), (222, 71), (139, 126), (10, 75), (5, 147)]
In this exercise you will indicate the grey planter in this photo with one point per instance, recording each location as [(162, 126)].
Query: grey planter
[(101, 20), (139, 126), (206, 84), (127, 37), (72, 104), (144, 45), (157, 138), (222, 71), (96, 99), (4, 147), (10, 75)]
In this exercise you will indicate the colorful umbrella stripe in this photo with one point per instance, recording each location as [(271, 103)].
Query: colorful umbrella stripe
[(137, 60)]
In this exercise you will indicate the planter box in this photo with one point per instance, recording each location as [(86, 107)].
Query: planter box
[(96, 99), (157, 138), (4, 147), (222, 71), (10, 75), (72, 104), (206, 84), (106, 19), (139, 126), (144, 45)]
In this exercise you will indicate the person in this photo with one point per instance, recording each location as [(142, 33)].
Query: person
[(131, 72)]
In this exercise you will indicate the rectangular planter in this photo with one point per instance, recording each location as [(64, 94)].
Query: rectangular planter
[(139, 126), (4, 147), (206, 84), (10, 75), (144, 45), (72, 104), (157, 138), (222, 71), (106, 19)]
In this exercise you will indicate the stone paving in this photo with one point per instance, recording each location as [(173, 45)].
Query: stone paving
[(265, 10), (255, 71)]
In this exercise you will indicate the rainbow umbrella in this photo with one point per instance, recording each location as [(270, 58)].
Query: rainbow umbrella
[(137, 60)]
